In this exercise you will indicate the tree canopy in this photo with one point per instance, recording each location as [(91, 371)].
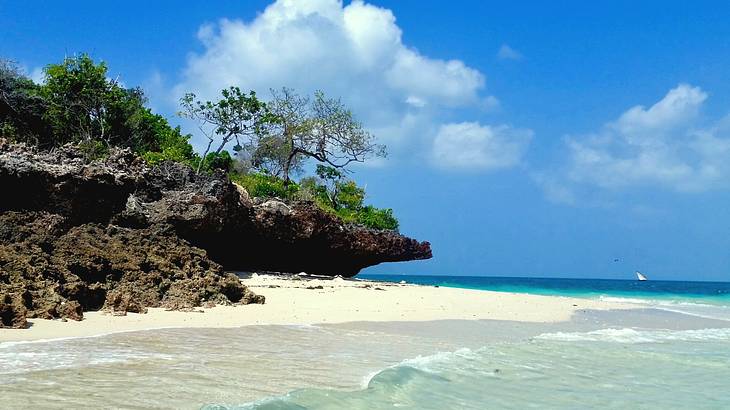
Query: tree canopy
[(78, 103), (318, 128), (236, 116)]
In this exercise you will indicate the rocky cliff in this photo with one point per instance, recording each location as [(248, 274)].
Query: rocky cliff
[(86, 231)]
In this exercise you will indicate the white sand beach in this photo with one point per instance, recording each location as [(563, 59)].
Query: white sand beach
[(306, 300)]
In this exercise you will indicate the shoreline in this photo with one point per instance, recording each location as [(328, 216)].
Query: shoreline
[(301, 301)]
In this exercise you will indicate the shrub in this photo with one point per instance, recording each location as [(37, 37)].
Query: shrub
[(342, 198), (93, 150), (265, 186), (172, 146), (378, 218)]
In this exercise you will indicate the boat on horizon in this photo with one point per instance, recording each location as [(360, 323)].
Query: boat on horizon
[(640, 276)]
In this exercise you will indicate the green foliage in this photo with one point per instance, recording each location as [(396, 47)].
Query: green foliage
[(329, 191), (83, 104), (320, 129), (79, 104), (269, 155), (218, 161), (80, 99), (235, 116), (265, 186), (172, 146), (377, 218), (328, 173), (346, 201), (21, 108), (93, 150)]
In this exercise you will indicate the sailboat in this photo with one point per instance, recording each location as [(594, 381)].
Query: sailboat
[(639, 276)]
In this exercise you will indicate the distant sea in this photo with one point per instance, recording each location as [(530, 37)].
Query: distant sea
[(709, 300)]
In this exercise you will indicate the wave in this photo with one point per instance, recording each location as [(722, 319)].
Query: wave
[(627, 335), (692, 308), (541, 371), (29, 361)]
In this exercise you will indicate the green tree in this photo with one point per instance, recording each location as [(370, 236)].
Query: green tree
[(345, 199), (84, 106), (79, 98), (236, 116), (321, 128), (21, 108)]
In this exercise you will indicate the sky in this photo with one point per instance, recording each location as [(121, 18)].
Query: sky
[(569, 139)]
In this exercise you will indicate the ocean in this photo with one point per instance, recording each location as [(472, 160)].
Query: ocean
[(673, 353), (704, 299)]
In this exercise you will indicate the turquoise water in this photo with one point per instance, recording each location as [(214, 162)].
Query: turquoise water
[(673, 353), (703, 299), (645, 366), (707, 292), (612, 368)]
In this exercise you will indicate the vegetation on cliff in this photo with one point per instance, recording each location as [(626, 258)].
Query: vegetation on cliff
[(329, 189), (78, 103)]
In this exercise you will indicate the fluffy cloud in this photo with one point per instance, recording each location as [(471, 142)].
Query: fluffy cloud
[(666, 145), (470, 145), (354, 51)]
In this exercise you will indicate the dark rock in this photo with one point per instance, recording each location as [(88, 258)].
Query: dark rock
[(60, 271), (12, 311), (70, 310), (206, 210), (216, 215), (62, 182), (119, 302)]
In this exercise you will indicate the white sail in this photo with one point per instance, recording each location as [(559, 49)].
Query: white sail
[(639, 276)]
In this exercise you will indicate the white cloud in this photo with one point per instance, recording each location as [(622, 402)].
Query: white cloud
[(470, 145), (508, 53), (667, 145), (354, 52), (678, 109)]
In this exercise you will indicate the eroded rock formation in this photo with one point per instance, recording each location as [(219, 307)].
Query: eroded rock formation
[(118, 234), (50, 269)]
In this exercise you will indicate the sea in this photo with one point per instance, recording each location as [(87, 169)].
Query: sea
[(673, 351)]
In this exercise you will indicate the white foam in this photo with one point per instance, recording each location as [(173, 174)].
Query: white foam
[(628, 335), (423, 363), (703, 310)]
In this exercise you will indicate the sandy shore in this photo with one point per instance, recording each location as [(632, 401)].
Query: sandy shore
[(302, 301)]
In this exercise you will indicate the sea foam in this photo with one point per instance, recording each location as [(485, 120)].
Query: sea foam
[(628, 335)]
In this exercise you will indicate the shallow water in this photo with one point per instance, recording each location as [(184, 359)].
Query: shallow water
[(620, 368), (638, 359), (188, 368)]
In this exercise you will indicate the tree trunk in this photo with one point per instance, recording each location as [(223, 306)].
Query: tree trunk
[(205, 154), (289, 159), (287, 167), (223, 144)]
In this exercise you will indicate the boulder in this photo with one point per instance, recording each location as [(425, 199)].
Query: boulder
[(12, 311)]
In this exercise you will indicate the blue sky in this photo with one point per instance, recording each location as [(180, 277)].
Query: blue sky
[(528, 139)]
